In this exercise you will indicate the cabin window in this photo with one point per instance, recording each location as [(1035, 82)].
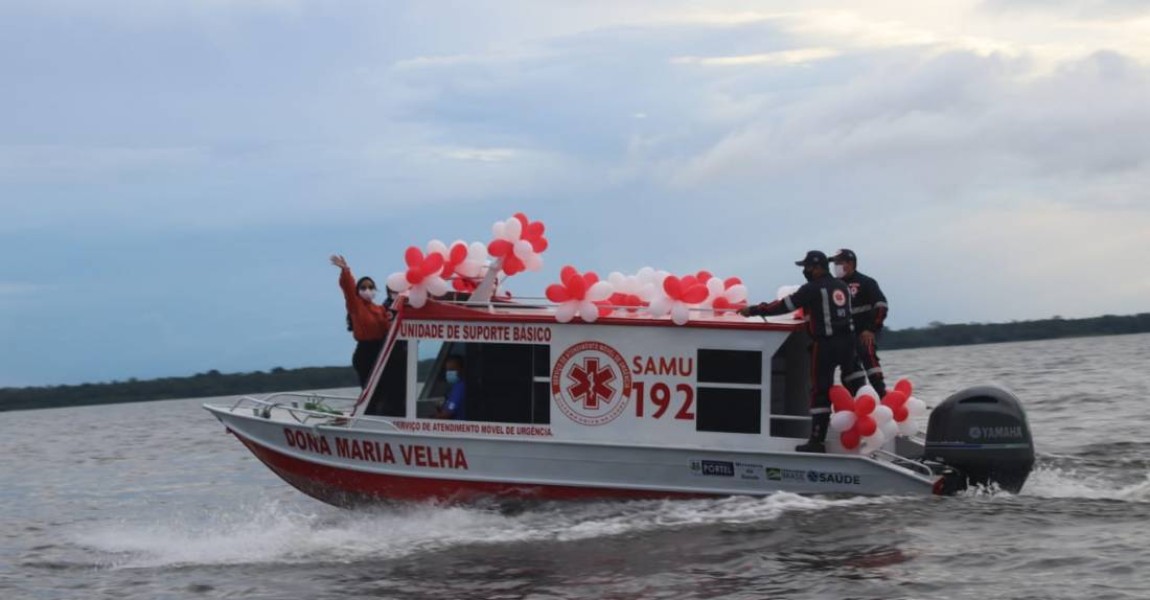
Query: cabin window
[(506, 383), (791, 388), (509, 383), (730, 391)]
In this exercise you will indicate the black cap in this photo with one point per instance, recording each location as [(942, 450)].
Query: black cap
[(844, 255), (814, 258)]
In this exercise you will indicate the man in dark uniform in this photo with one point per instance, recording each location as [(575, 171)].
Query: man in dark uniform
[(869, 311), (826, 302)]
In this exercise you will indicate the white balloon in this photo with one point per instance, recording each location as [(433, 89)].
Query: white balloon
[(566, 311), (907, 428), (417, 296), (867, 390), (397, 282), (659, 307), (648, 292), (617, 279), (843, 420), (497, 230), (437, 247), (523, 250), (737, 293), (646, 274), (882, 414), (680, 314), (600, 290), (512, 229), (915, 407), (871, 443), (715, 287), (534, 263), (588, 311), (435, 285), (889, 429)]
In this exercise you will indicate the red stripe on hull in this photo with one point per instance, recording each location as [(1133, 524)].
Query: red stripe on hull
[(347, 487)]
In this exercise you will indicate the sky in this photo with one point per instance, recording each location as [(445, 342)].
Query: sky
[(174, 175)]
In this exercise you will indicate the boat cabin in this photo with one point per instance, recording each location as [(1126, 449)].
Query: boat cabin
[(715, 382)]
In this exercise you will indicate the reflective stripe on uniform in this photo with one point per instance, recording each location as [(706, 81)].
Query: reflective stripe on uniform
[(874, 371), (854, 376), (790, 305), (827, 312), (820, 411), (861, 309), (881, 305)]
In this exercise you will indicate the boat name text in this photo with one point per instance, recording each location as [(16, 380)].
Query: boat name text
[(412, 455)]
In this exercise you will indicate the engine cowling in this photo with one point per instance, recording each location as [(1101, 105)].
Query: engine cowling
[(982, 433)]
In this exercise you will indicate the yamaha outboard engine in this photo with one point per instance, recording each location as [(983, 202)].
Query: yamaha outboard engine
[(982, 433)]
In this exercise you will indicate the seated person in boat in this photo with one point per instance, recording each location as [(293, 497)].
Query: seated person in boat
[(455, 404)]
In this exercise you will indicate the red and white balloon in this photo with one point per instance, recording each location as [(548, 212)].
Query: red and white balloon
[(858, 420), (422, 277), (518, 244), (680, 295), (579, 294), (724, 296)]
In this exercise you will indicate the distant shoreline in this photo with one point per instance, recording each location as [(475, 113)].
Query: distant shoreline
[(214, 383)]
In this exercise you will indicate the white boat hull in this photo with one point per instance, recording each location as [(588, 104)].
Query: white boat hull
[(357, 463)]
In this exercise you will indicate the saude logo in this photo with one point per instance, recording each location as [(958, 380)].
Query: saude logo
[(1001, 432)]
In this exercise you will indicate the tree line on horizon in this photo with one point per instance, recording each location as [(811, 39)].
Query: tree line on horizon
[(278, 379)]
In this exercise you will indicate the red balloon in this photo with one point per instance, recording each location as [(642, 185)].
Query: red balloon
[(413, 257), (538, 244), (557, 293), (901, 413), (590, 278), (841, 399), (577, 288), (533, 231), (431, 265), (904, 386), (865, 405), (865, 425), (458, 253), (413, 276), (566, 273), (522, 219), (673, 287), (732, 282), (500, 248), (694, 294), (721, 303), (850, 439), (688, 281), (512, 264), (894, 399), (703, 276)]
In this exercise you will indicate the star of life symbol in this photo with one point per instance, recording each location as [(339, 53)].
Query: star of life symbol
[(591, 383)]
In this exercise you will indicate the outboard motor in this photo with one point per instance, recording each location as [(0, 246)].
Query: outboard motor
[(982, 433)]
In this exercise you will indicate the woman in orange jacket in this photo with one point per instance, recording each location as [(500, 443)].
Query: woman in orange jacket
[(367, 320)]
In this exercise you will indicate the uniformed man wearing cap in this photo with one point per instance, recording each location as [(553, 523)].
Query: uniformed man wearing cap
[(868, 310), (826, 302)]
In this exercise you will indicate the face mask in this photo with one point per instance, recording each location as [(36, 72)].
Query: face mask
[(452, 377), (808, 274), (368, 295), (840, 271)]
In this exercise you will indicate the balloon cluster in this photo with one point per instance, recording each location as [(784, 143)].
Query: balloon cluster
[(422, 277), (579, 294), (518, 244), (865, 424)]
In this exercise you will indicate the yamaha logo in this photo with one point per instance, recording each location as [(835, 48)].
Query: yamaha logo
[(997, 432)]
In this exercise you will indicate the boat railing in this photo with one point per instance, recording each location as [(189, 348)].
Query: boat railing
[(904, 462), (304, 407)]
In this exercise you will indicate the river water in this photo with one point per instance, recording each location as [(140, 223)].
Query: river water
[(154, 501)]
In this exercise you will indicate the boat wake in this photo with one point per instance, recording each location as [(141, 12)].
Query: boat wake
[(1054, 482), (275, 533)]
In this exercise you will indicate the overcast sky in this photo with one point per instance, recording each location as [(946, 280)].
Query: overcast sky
[(174, 175)]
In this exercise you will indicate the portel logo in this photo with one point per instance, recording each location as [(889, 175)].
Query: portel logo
[(1000, 432)]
